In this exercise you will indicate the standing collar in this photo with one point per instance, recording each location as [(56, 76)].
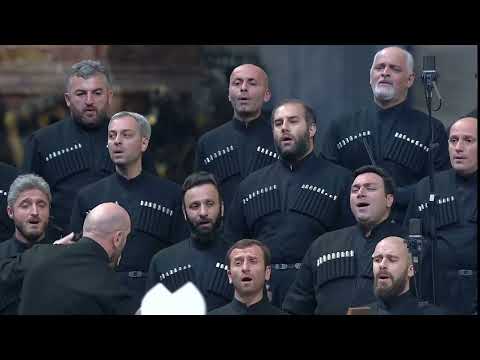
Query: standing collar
[(261, 121), (307, 161)]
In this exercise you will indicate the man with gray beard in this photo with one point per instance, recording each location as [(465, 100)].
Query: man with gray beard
[(387, 132)]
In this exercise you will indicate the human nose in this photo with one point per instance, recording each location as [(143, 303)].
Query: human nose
[(34, 210), (89, 98), (203, 210)]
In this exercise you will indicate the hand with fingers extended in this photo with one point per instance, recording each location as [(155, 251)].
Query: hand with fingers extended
[(66, 240)]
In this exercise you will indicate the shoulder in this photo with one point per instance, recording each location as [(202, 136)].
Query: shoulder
[(223, 310), (326, 240), (171, 252), (8, 173), (164, 184), (333, 168), (216, 134), (96, 187), (50, 130)]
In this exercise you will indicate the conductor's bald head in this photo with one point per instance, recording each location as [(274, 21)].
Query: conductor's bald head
[(108, 224)]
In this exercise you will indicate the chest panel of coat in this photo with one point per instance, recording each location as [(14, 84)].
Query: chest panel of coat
[(70, 159), (351, 147), (407, 150)]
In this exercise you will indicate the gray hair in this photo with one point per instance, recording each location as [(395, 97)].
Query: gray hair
[(86, 69), (27, 182), (143, 124), (408, 55)]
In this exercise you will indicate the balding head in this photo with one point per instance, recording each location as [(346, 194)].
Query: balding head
[(248, 91), (392, 267), (108, 224), (462, 146)]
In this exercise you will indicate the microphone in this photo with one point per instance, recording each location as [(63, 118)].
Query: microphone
[(430, 77), (415, 238), (429, 72)]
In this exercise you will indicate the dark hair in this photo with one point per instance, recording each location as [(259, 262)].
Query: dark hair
[(200, 178), (309, 113), (388, 182), (472, 114), (245, 243)]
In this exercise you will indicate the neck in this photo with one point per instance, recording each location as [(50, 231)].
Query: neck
[(249, 300), (129, 171), (20, 237), (388, 103), (367, 228), (246, 119)]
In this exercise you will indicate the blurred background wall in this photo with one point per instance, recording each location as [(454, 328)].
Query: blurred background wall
[(183, 88)]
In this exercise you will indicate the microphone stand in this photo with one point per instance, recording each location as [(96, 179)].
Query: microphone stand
[(428, 78)]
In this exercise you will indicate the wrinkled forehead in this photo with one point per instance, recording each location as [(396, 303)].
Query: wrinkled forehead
[(251, 251), (201, 192), (32, 194), (391, 56), (391, 246), (465, 126), (123, 123)]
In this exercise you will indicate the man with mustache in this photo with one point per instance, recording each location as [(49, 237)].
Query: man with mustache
[(288, 204), (392, 271), (72, 153), (200, 257), (456, 218), (153, 203), (336, 272), (8, 173), (243, 144), (388, 133), (28, 207)]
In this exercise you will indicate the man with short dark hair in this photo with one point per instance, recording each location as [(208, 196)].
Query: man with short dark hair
[(200, 257), (336, 272), (249, 267), (288, 204), (456, 219), (28, 207), (153, 203)]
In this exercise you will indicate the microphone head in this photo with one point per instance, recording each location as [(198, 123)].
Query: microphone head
[(415, 227), (429, 63)]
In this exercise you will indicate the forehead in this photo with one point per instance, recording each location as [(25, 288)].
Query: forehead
[(391, 56), (93, 82), (248, 72), (391, 246), (123, 123), (251, 251), (289, 110), (201, 192), (466, 126), (368, 177), (34, 194)]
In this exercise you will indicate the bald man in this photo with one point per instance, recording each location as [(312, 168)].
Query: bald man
[(387, 132), (456, 218), (392, 271), (245, 143), (80, 278)]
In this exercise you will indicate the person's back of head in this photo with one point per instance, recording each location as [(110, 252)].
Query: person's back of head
[(109, 225)]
